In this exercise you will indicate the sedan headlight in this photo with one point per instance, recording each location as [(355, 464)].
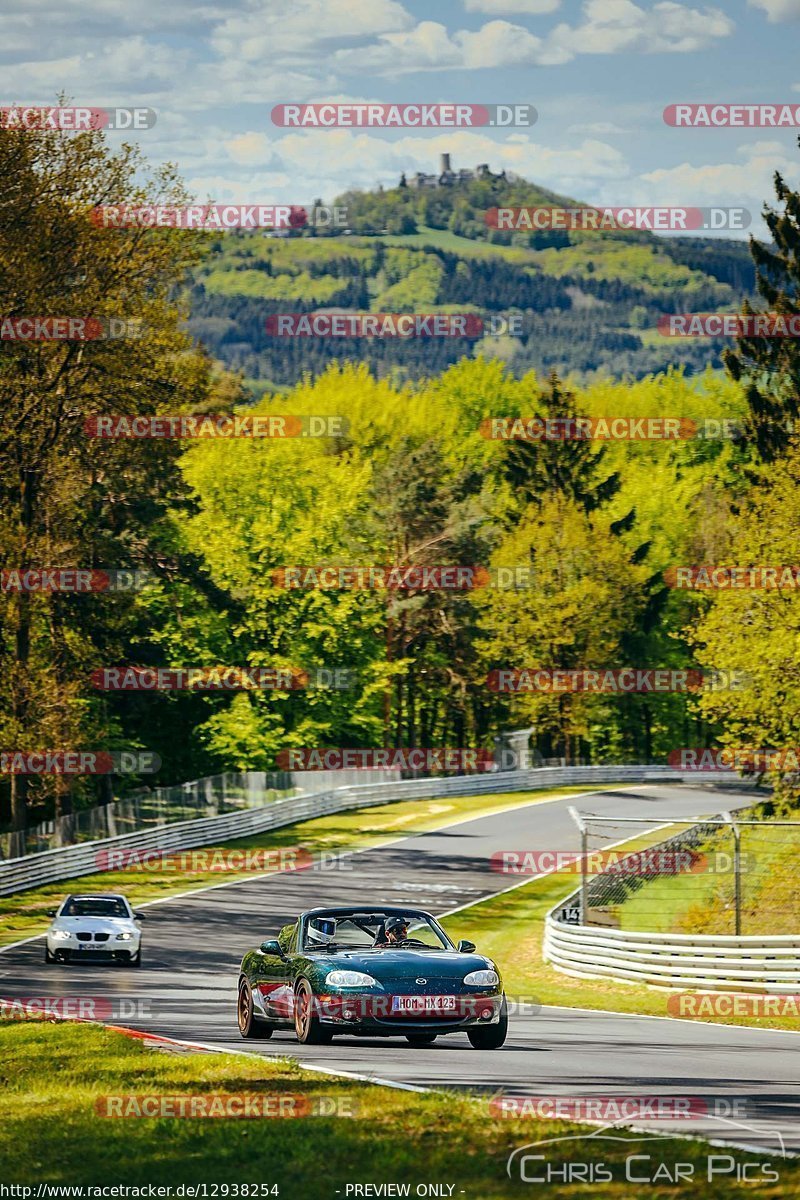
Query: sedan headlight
[(483, 978), (124, 937), (349, 979), (61, 934)]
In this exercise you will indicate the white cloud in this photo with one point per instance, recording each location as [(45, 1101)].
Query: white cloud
[(429, 47), (304, 30), (747, 183), (126, 71), (616, 26), (609, 27), (516, 7), (778, 10), (598, 127)]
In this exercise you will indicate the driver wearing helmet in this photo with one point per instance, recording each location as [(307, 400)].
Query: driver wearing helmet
[(395, 932)]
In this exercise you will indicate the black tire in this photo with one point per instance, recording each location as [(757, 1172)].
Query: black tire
[(421, 1039), (136, 962), (249, 1025), (490, 1037), (308, 1027), (48, 957)]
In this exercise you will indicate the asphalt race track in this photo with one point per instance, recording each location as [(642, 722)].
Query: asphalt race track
[(186, 987)]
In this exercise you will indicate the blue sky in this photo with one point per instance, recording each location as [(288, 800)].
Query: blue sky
[(599, 72)]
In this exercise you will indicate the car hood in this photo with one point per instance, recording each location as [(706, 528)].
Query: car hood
[(95, 924), (389, 965)]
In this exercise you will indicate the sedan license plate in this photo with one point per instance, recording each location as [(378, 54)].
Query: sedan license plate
[(90, 946), (423, 1004)]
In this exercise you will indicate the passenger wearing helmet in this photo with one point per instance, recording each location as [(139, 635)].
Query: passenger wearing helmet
[(321, 932), (395, 932)]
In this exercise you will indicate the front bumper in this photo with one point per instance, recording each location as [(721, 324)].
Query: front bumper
[(102, 951), (375, 1014)]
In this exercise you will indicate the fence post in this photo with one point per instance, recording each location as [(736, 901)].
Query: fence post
[(737, 871), (579, 821)]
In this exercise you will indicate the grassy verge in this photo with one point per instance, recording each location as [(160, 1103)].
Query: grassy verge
[(25, 913), (510, 929), (55, 1078), (705, 902)]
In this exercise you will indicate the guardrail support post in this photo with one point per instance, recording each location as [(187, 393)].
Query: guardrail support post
[(737, 871), (579, 821)]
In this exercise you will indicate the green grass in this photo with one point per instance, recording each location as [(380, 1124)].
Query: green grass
[(510, 929), (25, 913), (705, 902), (56, 1075), (453, 243)]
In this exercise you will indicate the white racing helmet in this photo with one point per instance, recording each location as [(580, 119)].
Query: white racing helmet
[(321, 931)]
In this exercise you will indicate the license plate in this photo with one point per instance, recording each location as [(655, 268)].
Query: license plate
[(423, 1004), (91, 946)]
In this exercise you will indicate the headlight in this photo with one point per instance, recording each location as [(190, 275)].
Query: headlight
[(483, 978), (61, 934), (124, 937), (349, 979)]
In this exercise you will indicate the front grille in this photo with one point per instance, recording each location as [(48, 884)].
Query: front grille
[(101, 937), (84, 937)]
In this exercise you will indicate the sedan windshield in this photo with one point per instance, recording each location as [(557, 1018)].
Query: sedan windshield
[(79, 906), (368, 931)]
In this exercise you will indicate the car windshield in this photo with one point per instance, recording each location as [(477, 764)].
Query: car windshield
[(368, 931), (89, 906)]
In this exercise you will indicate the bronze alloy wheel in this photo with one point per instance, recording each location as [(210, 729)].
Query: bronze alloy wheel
[(310, 1030), (249, 1024)]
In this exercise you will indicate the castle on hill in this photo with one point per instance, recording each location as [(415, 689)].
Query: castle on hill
[(447, 177)]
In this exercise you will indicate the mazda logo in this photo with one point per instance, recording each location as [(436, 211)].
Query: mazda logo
[(420, 981)]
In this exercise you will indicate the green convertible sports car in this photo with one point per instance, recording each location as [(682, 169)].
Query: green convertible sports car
[(374, 972)]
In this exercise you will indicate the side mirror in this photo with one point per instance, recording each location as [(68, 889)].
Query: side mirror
[(51, 912), (140, 916), (272, 946), (465, 947)]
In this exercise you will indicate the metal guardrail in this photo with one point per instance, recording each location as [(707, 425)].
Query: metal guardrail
[(710, 962), (674, 960), (69, 862)]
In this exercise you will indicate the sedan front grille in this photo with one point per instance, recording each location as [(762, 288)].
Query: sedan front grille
[(101, 937), (84, 937)]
